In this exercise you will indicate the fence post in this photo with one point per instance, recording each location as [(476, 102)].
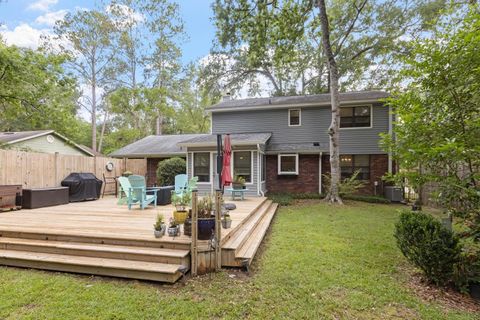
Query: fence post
[(194, 248), (56, 168), (218, 230)]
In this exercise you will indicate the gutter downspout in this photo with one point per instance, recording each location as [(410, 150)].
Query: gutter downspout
[(390, 131), (320, 173), (259, 179)]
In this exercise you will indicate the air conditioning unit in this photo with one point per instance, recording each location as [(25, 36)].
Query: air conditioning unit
[(394, 194)]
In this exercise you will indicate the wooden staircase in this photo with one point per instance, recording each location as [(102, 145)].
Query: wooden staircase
[(241, 245), (117, 257)]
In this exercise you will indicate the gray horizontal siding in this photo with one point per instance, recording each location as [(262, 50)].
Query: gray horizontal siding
[(206, 188), (315, 123)]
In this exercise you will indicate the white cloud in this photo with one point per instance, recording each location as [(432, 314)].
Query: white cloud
[(42, 5), (24, 36), (124, 15), (50, 18)]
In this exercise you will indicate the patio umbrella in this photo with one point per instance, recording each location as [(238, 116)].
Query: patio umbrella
[(227, 153)]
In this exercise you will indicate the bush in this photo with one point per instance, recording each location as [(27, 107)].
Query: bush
[(307, 196), (283, 199), (429, 245), (370, 199), (168, 169), (347, 186)]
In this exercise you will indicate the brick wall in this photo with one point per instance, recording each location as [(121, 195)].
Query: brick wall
[(305, 181), (378, 168)]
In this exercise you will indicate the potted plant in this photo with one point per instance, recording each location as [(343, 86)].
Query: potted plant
[(238, 183), (159, 226), (206, 223), (187, 225), (181, 201), (173, 228), (226, 220)]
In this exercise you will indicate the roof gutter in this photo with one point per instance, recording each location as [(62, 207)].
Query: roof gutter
[(287, 106), (211, 144)]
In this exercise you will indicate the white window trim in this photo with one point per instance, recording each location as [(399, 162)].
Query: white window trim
[(299, 117), (251, 165), (358, 128), (280, 161), (209, 170)]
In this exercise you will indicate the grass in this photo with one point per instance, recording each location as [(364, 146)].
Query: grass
[(319, 262)]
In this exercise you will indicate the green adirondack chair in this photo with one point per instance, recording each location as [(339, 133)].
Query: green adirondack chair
[(136, 192), (192, 184)]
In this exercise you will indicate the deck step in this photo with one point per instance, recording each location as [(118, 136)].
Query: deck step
[(91, 238), (148, 254), (240, 235), (250, 247), (98, 266)]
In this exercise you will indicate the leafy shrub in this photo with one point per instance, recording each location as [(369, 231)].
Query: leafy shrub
[(467, 270), (306, 195), (168, 169), (347, 186), (283, 199), (429, 245), (370, 199)]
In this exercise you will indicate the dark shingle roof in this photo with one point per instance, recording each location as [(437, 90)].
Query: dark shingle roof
[(306, 147), (236, 139), (11, 137), (155, 146), (315, 99)]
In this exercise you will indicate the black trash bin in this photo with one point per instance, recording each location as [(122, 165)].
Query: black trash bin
[(82, 186)]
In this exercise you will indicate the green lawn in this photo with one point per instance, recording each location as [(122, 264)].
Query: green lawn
[(319, 261)]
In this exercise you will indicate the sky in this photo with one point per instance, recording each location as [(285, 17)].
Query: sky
[(23, 21)]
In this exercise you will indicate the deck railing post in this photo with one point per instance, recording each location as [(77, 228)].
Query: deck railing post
[(218, 230), (194, 248)]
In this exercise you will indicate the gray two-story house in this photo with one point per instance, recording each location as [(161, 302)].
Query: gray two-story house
[(281, 144)]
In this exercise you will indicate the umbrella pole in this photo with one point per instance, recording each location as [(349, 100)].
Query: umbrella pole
[(219, 161)]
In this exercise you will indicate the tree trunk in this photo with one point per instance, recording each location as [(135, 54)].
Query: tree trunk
[(94, 113), (102, 133), (333, 194), (158, 130)]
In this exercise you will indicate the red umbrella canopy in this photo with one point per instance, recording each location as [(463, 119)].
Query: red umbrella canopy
[(227, 153)]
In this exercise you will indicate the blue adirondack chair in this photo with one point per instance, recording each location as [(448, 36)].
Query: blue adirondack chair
[(181, 181), (136, 192)]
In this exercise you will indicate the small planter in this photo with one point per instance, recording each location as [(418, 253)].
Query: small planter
[(475, 291), (160, 233), (174, 231), (206, 227), (179, 207), (237, 186), (180, 216), (187, 227), (226, 224)]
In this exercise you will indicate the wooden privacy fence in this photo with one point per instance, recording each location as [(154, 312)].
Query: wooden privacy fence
[(39, 170)]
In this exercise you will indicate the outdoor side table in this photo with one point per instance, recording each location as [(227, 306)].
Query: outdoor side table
[(240, 193)]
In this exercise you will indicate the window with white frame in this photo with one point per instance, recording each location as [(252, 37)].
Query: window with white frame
[(355, 117), (242, 165), (294, 117), (288, 164), (201, 166), (349, 164)]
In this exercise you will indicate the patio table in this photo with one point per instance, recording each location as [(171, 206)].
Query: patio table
[(237, 193)]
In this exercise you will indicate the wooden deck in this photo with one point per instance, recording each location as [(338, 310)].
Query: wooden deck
[(103, 238)]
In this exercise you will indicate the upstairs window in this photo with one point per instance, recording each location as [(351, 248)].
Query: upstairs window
[(288, 164), (355, 117), (351, 163), (242, 165), (294, 117), (201, 166)]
